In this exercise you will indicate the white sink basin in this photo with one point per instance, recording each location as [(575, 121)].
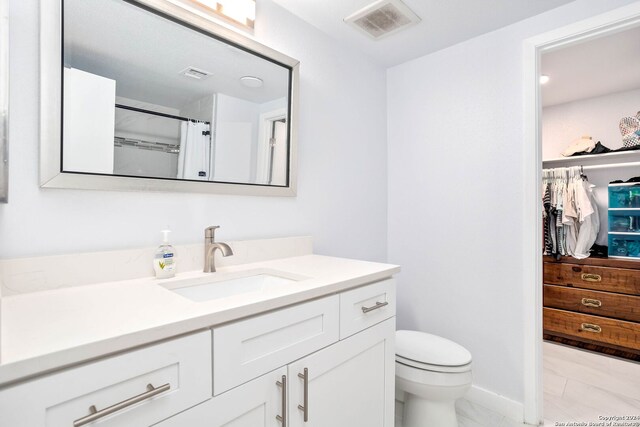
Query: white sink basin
[(232, 286)]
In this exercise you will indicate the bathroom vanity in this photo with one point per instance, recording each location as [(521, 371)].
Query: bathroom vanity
[(299, 341)]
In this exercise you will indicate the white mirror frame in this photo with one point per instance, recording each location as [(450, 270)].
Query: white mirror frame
[(4, 101), (50, 111)]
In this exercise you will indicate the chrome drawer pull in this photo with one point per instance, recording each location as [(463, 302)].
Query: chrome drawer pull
[(590, 277), (590, 327), (95, 415), (375, 307), (283, 418), (589, 302), (305, 408)]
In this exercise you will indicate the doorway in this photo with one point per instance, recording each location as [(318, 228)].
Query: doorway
[(616, 21)]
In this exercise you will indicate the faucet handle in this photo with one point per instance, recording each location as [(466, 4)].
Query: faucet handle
[(209, 232)]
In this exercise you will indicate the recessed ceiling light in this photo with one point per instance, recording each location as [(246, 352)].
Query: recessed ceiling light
[(544, 79), (250, 81)]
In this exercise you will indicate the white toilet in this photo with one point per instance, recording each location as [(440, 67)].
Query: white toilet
[(432, 373)]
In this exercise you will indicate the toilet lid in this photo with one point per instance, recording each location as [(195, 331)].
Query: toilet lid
[(430, 349)]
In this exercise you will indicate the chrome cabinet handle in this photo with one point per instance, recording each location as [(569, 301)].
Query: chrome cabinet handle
[(94, 414), (305, 408), (590, 327), (589, 302), (283, 418), (375, 307)]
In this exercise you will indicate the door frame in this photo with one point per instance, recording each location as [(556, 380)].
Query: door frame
[(617, 20), (264, 146)]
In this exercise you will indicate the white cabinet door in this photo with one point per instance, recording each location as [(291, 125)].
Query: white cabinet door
[(253, 404), (350, 384)]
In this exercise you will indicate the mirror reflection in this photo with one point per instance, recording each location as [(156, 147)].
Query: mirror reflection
[(144, 96)]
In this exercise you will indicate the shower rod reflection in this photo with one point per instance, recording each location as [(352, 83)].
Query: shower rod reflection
[(155, 113), (147, 145)]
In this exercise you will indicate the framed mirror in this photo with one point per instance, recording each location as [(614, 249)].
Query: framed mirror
[(148, 95), (4, 101)]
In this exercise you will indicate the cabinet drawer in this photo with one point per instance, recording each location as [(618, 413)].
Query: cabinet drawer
[(249, 348), (180, 370), (620, 280), (364, 307), (619, 306), (594, 328)]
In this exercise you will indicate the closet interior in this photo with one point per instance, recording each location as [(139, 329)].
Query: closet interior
[(591, 221)]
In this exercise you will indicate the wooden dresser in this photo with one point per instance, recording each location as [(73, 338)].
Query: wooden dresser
[(593, 304)]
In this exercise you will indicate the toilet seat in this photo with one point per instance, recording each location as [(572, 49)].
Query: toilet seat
[(429, 352), (430, 367)]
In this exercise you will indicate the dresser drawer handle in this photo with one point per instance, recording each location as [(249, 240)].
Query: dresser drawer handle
[(94, 414), (590, 327), (590, 277), (589, 302), (374, 307)]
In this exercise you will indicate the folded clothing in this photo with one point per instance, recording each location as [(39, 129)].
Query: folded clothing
[(584, 144), (619, 181), (600, 149)]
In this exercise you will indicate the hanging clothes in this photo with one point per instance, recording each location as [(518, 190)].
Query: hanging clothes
[(589, 220), (195, 151), (570, 214)]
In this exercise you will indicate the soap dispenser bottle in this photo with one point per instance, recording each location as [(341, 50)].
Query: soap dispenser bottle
[(164, 262)]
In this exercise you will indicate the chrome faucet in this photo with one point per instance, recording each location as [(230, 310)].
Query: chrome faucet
[(210, 246)]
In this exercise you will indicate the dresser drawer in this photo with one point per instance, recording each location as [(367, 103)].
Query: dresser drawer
[(619, 280), (594, 328), (249, 348), (619, 306), (179, 371), (363, 307)]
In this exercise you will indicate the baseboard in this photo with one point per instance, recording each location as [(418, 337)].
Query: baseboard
[(496, 403)]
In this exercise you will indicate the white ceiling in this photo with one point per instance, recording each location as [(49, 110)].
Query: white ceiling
[(145, 53), (593, 68), (444, 23)]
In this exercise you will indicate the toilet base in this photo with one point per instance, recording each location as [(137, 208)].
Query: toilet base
[(426, 413)]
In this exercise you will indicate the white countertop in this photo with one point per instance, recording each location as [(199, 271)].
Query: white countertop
[(48, 330)]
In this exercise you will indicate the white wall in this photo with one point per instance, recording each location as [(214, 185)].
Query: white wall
[(598, 117), (342, 183), (455, 132)]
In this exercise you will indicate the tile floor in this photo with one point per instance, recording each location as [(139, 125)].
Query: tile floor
[(578, 386), (471, 415), (581, 386)]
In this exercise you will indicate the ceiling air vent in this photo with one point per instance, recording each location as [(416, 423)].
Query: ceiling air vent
[(383, 18), (195, 73)]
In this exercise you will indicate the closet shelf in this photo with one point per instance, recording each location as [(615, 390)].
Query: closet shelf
[(594, 159), (625, 233), (624, 209)]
